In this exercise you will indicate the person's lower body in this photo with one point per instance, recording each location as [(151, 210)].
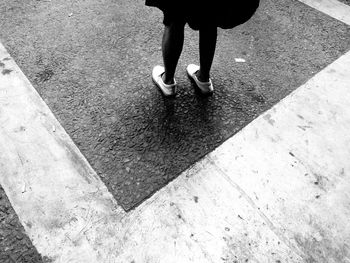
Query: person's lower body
[(172, 44), (207, 46), (200, 75)]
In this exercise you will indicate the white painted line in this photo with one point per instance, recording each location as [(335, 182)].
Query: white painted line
[(293, 162), (54, 191), (201, 218), (333, 8)]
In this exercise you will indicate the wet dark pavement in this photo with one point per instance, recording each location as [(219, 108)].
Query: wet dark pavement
[(91, 63)]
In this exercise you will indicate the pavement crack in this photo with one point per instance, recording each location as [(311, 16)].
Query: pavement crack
[(268, 222)]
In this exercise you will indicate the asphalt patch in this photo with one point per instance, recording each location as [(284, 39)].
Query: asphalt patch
[(91, 62)]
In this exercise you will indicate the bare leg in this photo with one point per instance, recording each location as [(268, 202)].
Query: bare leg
[(173, 39), (207, 45)]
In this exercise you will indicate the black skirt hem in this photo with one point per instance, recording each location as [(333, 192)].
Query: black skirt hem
[(222, 15)]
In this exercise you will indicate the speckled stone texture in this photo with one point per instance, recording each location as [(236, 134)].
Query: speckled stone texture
[(15, 245), (91, 62)]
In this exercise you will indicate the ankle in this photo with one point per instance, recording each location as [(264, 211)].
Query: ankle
[(167, 80), (202, 77)]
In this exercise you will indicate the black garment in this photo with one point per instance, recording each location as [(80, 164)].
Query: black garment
[(197, 13)]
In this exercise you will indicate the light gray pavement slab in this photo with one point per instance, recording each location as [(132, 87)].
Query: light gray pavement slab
[(15, 245)]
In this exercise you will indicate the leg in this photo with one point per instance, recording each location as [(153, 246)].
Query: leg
[(172, 44), (207, 45)]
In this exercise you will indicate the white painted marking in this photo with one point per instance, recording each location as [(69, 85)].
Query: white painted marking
[(333, 8), (293, 164), (56, 194)]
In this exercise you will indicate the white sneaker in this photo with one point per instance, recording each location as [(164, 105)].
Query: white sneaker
[(166, 89), (205, 87)]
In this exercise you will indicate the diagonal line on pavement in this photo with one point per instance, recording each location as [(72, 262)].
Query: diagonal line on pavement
[(333, 8)]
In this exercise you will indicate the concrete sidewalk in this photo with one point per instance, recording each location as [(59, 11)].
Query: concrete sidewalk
[(278, 191)]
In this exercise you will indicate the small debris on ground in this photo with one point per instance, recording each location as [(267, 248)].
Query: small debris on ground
[(240, 60)]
